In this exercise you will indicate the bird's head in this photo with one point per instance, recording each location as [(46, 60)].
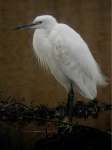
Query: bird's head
[(40, 22)]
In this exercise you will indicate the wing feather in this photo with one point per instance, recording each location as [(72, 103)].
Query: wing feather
[(76, 61)]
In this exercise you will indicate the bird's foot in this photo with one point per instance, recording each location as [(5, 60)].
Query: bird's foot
[(65, 129)]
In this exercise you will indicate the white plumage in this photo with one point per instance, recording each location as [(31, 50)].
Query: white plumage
[(66, 54)]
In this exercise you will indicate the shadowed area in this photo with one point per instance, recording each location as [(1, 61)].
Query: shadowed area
[(82, 138)]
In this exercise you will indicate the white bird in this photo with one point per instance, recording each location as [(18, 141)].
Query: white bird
[(65, 53)]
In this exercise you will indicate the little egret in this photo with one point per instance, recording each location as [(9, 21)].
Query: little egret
[(65, 53)]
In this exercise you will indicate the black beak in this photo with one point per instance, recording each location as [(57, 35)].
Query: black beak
[(25, 26)]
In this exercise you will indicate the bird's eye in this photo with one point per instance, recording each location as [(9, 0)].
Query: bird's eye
[(39, 22)]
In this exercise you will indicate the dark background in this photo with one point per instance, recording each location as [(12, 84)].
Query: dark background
[(20, 76)]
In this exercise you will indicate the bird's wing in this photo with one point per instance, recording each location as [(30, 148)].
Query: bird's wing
[(76, 61)]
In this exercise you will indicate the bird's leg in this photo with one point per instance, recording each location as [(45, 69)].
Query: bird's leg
[(70, 103), (68, 128)]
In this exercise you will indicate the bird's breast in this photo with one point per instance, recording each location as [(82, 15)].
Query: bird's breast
[(40, 41), (42, 46)]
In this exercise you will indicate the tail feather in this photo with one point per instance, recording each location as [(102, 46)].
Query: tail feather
[(101, 79), (88, 85)]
